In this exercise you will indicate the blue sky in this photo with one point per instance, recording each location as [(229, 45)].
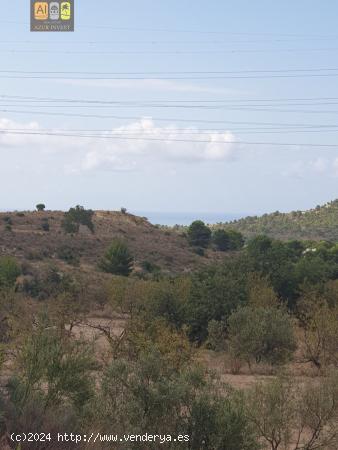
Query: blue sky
[(164, 171)]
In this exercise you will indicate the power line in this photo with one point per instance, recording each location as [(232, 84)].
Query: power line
[(173, 75), (252, 108), (228, 142), (169, 52), (162, 119), (186, 72), (186, 132)]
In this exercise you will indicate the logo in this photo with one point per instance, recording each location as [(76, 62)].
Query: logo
[(41, 10), (65, 11), (54, 11), (52, 15)]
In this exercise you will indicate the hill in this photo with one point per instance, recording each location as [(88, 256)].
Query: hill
[(22, 236), (320, 223)]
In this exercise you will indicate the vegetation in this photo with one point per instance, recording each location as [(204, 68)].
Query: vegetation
[(40, 207), (227, 240), (261, 335), (319, 223), (117, 259), (9, 271), (78, 216), (199, 234), (137, 348)]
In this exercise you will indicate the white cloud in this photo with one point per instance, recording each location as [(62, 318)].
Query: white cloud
[(129, 147), (158, 144), (13, 140)]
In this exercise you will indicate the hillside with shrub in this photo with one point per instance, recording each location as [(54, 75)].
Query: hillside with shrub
[(320, 223)]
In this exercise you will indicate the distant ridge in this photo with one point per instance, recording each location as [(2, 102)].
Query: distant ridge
[(319, 223)]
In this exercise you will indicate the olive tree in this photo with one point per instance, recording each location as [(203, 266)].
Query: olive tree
[(261, 335)]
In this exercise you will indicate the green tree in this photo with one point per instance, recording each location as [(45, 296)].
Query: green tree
[(78, 216), (236, 239), (150, 395), (215, 293), (261, 335), (117, 259), (221, 239), (40, 206), (199, 234)]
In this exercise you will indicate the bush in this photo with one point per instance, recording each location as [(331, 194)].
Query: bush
[(45, 226), (69, 255), (217, 335), (8, 220), (199, 251), (150, 267), (69, 226), (199, 234), (54, 368), (9, 271), (261, 334), (117, 259)]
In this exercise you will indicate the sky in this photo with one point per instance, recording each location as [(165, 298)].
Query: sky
[(188, 107)]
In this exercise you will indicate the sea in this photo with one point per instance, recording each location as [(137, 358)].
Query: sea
[(183, 218)]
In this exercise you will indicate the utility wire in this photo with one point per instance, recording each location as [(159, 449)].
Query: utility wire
[(162, 119), (209, 141)]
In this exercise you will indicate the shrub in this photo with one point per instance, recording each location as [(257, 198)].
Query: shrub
[(40, 207), (199, 234), (45, 226), (124, 210), (68, 254), (261, 334), (69, 226), (150, 267), (8, 220), (54, 368), (9, 271), (217, 335), (199, 251), (117, 259)]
